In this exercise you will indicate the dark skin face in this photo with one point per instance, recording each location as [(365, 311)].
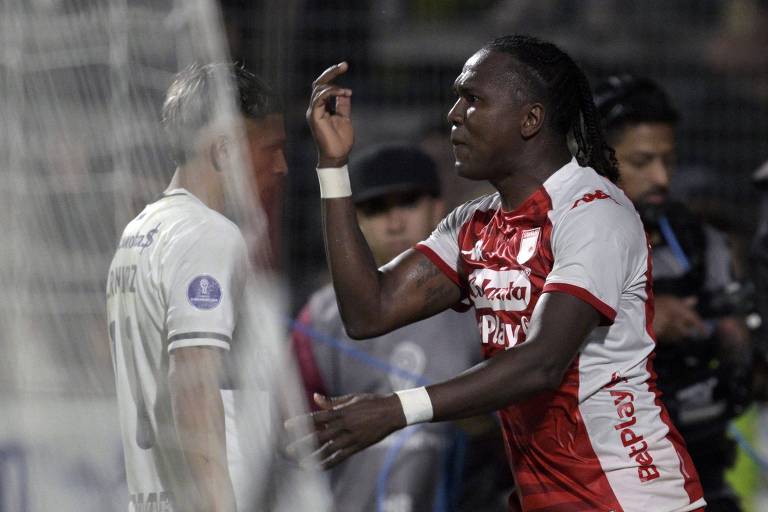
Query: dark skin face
[(485, 127), (497, 129)]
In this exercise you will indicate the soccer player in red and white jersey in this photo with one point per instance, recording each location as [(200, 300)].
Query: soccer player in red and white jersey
[(557, 268)]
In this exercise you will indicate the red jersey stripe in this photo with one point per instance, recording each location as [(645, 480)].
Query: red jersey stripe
[(607, 312)]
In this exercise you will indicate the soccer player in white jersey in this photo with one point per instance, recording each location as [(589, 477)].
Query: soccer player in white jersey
[(557, 268), (173, 294)]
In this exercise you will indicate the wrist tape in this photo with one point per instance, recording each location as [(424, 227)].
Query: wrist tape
[(334, 182), (417, 407)]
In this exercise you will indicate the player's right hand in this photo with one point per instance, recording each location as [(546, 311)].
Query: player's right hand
[(331, 127), (345, 425)]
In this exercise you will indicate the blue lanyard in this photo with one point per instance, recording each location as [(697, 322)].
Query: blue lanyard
[(674, 244)]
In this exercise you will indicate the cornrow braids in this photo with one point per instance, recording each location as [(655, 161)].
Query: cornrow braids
[(550, 74)]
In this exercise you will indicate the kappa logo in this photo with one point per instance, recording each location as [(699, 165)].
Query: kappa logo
[(529, 241), (500, 290), (204, 292), (588, 198)]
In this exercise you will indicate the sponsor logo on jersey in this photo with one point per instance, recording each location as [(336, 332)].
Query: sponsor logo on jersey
[(495, 332), (500, 290), (588, 198), (624, 401), (139, 240), (204, 292), (529, 241)]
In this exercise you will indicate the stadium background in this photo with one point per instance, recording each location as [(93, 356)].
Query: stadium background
[(404, 55)]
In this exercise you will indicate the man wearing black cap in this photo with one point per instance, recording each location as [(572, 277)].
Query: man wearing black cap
[(396, 192)]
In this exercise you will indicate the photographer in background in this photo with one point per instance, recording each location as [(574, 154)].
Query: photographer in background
[(703, 346)]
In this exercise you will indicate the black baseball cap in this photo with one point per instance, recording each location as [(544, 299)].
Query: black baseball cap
[(391, 168), (629, 99)]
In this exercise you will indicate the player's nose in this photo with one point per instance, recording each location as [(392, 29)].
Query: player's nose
[(456, 114)]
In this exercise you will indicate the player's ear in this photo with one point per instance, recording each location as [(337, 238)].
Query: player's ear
[(220, 153), (532, 120)]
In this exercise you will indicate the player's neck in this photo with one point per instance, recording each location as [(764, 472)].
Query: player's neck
[(200, 184), (519, 184)]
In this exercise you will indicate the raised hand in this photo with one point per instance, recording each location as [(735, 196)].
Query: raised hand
[(331, 127), (345, 425)]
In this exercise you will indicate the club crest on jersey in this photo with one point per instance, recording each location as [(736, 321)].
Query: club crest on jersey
[(204, 292), (529, 240)]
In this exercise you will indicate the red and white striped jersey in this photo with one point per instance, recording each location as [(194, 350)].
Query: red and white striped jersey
[(603, 440)]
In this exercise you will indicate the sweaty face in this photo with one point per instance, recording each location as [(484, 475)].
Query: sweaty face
[(646, 155), (395, 222), (485, 120), (266, 141)]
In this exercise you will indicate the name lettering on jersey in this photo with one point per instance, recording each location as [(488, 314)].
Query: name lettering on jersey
[(638, 448), (495, 332), (588, 198), (151, 502), (500, 290), (139, 240), (121, 280)]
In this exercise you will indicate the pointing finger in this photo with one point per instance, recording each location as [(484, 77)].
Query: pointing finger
[(331, 73)]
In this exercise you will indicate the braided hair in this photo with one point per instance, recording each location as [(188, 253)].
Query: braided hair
[(550, 74)]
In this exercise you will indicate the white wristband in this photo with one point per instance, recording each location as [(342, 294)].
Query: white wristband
[(334, 182), (417, 407)]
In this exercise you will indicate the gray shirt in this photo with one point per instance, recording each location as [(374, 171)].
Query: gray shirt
[(404, 471)]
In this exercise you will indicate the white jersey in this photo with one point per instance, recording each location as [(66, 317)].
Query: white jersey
[(175, 281)]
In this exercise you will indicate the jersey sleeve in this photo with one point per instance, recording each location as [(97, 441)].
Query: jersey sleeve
[(596, 248), (204, 272), (442, 246)]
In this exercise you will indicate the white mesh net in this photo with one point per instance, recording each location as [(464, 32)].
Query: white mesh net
[(81, 153)]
